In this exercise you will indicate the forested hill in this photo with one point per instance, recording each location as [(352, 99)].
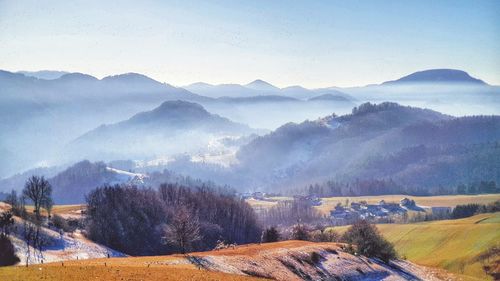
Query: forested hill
[(417, 148)]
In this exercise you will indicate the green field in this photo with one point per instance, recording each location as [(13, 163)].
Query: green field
[(450, 244)]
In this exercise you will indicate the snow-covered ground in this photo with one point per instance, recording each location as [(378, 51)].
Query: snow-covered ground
[(124, 176), (63, 247), (60, 246)]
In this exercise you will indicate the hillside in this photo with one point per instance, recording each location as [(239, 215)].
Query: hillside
[(289, 260), (58, 247), (437, 76), (383, 141), (56, 111), (174, 127), (454, 245)]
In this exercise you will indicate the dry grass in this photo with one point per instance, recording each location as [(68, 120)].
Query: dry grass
[(174, 267), (61, 209), (101, 272), (329, 203)]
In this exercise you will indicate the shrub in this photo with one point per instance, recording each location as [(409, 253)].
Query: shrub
[(7, 252), (66, 225), (369, 242), (270, 234), (300, 232), (325, 235), (316, 257)]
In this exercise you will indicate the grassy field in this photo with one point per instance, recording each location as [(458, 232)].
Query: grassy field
[(329, 203), (448, 244), (101, 272), (276, 261), (149, 268), (133, 268)]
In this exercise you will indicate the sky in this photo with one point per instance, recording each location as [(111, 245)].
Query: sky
[(309, 43)]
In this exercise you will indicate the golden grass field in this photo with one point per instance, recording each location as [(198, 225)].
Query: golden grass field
[(100, 272), (266, 257), (448, 244), (140, 268), (329, 203), (60, 209)]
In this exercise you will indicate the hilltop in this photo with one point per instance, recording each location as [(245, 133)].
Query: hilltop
[(288, 260), (437, 76)]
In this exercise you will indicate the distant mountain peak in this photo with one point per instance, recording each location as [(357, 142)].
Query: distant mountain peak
[(329, 97), (77, 76), (45, 74), (130, 77), (179, 105), (437, 76), (172, 110), (199, 84), (261, 85)]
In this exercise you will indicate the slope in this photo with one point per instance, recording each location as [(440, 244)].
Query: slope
[(288, 260)]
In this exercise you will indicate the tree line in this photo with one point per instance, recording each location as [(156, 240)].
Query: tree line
[(388, 186), (172, 218)]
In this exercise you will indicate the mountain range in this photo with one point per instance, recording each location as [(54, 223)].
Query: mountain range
[(420, 150), (55, 108)]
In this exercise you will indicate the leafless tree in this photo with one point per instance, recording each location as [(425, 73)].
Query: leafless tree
[(39, 190), (29, 235), (183, 230)]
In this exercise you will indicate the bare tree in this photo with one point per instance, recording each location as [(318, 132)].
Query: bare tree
[(29, 235), (183, 230), (39, 190)]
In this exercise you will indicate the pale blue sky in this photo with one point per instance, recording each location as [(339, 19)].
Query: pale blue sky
[(312, 43)]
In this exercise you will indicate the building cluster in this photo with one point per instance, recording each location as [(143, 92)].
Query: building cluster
[(374, 212)]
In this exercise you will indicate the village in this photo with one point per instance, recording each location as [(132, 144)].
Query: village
[(349, 212)]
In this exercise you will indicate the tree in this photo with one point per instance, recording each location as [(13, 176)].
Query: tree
[(11, 199), (39, 190), (6, 222), (325, 235), (270, 234), (7, 252), (300, 232), (369, 242), (183, 230)]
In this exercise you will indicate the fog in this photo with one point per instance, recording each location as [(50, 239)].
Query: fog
[(41, 120)]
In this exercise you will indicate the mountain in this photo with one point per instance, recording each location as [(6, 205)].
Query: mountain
[(257, 99), (72, 184), (221, 90), (357, 145), (56, 111), (44, 74), (329, 97), (262, 86), (437, 76), (175, 127)]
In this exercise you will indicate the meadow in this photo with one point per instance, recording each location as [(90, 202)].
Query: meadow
[(453, 245)]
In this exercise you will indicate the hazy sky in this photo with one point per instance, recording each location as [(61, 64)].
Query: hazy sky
[(312, 43)]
